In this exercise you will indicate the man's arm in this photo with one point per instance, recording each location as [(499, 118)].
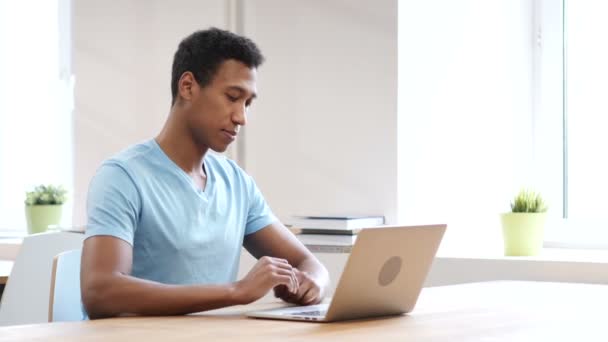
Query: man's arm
[(108, 290), (277, 241)]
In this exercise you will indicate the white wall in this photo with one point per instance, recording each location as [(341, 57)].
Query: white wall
[(322, 138), (123, 52)]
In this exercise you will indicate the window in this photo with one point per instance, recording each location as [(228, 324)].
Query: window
[(584, 121), (586, 108), (511, 97), (35, 103), (466, 114)]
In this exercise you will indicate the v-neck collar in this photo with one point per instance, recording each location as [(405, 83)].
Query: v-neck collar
[(209, 181)]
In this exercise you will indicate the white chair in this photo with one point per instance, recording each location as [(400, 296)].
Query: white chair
[(65, 303), (26, 296)]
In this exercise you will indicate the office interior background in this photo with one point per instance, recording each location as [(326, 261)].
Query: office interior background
[(421, 111)]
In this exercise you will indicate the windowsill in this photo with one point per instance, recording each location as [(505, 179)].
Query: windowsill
[(564, 241), (547, 254)]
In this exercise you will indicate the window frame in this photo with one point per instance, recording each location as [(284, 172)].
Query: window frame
[(550, 122)]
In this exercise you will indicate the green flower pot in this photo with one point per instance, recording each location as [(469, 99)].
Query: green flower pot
[(40, 217), (523, 233)]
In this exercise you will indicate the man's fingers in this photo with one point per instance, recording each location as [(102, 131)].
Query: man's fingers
[(309, 292), (293, 290), (310, 297), (278, 260), (281, 265), (284, 294), (303, 292), (267, 261), (292, 281), (287, 281), (295, 280)]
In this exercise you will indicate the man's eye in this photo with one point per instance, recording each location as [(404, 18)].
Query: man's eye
[(232, 98)]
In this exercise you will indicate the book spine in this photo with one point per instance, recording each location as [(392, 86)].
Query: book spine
[(329, 249), (337, 224), (329, 240)]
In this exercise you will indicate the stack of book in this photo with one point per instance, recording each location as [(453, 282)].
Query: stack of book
[(331, 233)]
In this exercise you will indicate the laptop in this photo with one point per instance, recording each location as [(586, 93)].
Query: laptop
[(383, 276)]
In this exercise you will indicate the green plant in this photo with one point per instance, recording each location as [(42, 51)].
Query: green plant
[(46, 195), (528, 202)]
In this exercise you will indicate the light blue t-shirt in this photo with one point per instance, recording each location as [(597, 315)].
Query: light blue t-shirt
[(179, 233)]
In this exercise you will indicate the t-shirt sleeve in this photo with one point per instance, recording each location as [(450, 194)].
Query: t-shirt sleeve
[(259, 214), (113, 204)]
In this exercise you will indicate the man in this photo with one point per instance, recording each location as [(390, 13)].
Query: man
[(167, 218)]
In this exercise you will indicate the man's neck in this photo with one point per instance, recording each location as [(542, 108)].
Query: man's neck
[(177, 143)]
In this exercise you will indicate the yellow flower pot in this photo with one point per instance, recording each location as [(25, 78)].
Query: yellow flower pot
[(40, 217), (523, 233)]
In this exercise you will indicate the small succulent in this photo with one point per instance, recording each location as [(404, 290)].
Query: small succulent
[(46, 195), (528, 202)]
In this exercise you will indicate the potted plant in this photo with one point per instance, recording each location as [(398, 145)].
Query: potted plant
[(43, 207), (523, 227)]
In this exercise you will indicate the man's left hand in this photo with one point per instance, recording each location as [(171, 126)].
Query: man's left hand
[(309, 292)]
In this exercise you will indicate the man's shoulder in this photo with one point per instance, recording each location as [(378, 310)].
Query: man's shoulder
[(133, 155)]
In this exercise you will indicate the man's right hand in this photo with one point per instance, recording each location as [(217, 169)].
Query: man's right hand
[(266, 274)]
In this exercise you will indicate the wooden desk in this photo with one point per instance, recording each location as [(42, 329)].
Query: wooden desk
[(493, 311), (5, 270)]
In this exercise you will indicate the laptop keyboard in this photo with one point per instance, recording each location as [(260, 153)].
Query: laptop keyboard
[(317, 313)]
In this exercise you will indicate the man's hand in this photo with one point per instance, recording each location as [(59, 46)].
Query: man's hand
[(309, 292), (266, 274), (310, 274)]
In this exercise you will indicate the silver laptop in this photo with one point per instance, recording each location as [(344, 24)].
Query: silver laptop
[(383, 276)]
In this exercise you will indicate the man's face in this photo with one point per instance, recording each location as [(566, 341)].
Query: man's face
[(219, 109)]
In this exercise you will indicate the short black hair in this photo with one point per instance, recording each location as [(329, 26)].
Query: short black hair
[(203, 51)]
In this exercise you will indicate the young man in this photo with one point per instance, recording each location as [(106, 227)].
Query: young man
[(167, 218)]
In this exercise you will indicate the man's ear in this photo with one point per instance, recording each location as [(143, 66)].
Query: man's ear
[(187, 87)]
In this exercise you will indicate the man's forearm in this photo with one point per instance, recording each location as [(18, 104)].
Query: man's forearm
[(117, 295)]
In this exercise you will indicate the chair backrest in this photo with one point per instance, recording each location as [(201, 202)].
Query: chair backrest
[(26, 296), (65, 303)]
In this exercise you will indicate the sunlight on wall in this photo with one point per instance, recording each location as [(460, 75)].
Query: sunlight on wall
[(465, 114)]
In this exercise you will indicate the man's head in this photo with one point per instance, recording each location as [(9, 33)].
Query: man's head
[(203, 51), (213, 82)]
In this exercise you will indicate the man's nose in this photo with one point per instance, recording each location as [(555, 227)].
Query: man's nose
[(240, 116)]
